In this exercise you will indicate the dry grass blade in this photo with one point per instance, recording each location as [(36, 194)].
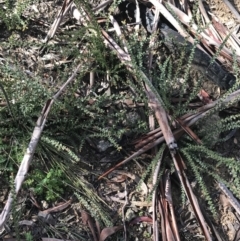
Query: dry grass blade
[(65, 8), (186, 20), (226, 34), (153, 39), (151, 136), (138, 18), (162, 215), (167, 231), (26, 161), (102, 6), (118, 31), (170, 216), (154, 199), (188, 130), (211, 29), (170, 18), (180, 166), (150, 57)]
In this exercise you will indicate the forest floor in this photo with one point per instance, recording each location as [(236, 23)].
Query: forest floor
[(130, 211)]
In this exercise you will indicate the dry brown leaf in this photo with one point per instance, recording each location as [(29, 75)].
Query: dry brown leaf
[(189, 131), (88, 220), (106, 232), (141, 219), (57, 208), (204, 97)]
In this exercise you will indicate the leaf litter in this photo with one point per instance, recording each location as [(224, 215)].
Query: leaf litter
[(48, 61)]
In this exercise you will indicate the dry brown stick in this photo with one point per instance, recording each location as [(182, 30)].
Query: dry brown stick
[(189, 131), (162, 217), (64, 9), (167, 230), (211, 30), (152, 44), (168, 196), (170, 18), (154, 199)]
